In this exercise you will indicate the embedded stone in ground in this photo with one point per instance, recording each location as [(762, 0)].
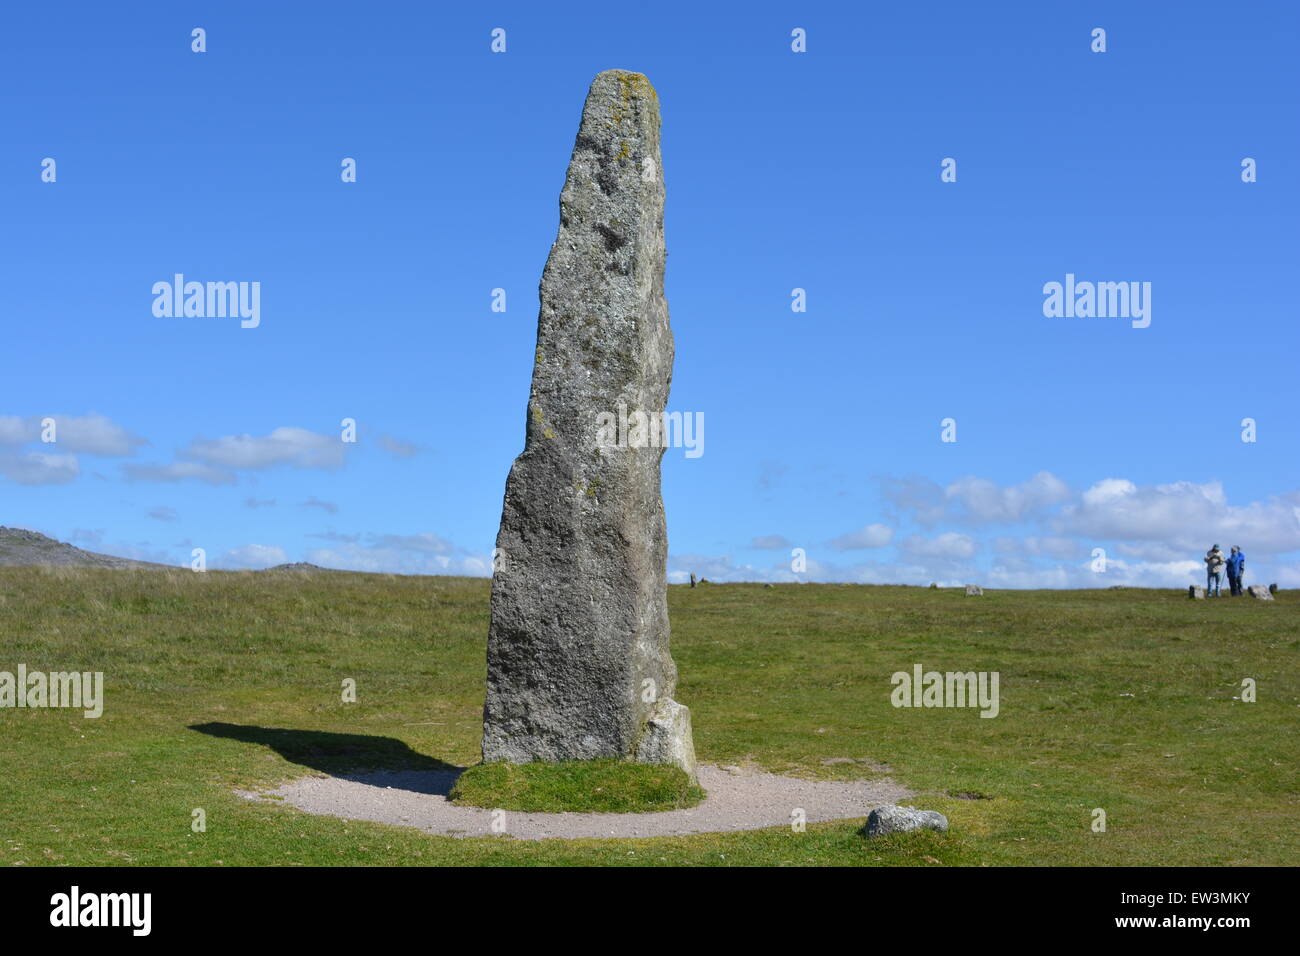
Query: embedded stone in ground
[(896, 819)]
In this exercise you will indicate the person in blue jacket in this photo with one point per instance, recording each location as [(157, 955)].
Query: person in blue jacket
[(1236, 571)]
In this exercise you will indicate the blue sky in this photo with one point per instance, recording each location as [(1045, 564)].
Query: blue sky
[(816, 170)]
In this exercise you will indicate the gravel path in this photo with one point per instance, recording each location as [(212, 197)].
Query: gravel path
[(737, 800)]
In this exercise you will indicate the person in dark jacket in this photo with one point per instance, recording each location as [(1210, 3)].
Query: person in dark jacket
[(1236, 571)]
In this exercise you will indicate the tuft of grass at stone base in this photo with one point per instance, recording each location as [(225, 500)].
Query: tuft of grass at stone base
[(587, 786)]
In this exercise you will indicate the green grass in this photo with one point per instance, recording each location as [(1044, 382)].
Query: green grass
[(221, 681), (591, 786)]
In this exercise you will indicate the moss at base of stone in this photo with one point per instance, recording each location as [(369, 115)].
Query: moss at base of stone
[(585, 786)]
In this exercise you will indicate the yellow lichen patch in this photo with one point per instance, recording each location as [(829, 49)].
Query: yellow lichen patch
[(631, 85), (539, 419)]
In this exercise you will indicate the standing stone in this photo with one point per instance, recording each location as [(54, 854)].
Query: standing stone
[(974, 590), (1193, 591), (1260, 592), (578, 660)]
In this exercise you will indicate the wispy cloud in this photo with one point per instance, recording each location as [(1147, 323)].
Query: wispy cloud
[(179, 471), (294, 447), (872, 536)]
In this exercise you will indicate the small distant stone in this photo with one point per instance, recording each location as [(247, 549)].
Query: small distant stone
[(1260, 592), (1272, 588), (896, 819), (974, 590), (1194, 592), (769, 585)]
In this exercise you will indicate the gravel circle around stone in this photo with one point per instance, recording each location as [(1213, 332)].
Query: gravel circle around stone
[(737, 799)]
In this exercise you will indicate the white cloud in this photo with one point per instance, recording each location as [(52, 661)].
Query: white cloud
[(39, 468), (397, 447), (949, 546), (253, 557), (94, 434), (975, 501), (1183, 515), (1051, 546), (179, 471), (425, 553), (872, 536), (427, 543), (297, 447), (16, 431), (720, 568), (1152, 536), (1015, 573), (770, 542), (91, 434)]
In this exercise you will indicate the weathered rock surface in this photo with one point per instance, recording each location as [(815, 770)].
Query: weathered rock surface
[(1260, 592), (578, 658), (974, 590), (895, 819), (1198, 593)]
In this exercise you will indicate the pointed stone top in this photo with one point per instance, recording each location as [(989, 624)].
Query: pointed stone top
[(621, 104), (632, 81)]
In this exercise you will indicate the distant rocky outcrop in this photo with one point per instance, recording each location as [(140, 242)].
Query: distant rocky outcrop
[(22, 548), (301, 566)]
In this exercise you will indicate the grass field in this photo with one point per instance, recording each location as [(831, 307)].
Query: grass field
[(1121, 700)]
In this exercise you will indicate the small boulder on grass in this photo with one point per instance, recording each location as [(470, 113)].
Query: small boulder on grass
[(895, 819), (974, 590)]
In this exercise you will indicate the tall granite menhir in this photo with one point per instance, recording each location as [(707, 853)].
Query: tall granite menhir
[(578, 661)]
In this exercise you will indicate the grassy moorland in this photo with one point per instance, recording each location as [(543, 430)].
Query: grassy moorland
[(1121, 700)]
